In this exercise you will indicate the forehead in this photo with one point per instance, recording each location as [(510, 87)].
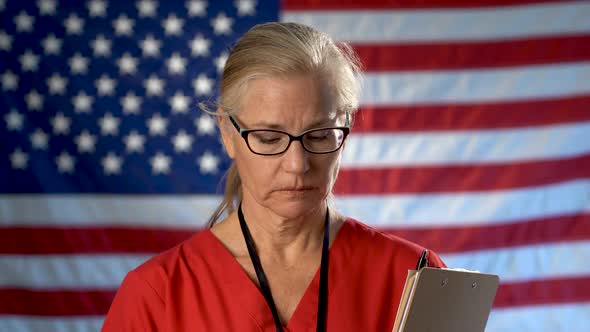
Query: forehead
[(290, 102)]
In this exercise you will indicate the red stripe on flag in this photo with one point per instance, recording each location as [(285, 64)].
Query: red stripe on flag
[(97, 302), (459, 239), (88, 240), (545, 291), (464, 55), (525, 113), (40, 241), (318, 5), (55, 302), (460, 178)]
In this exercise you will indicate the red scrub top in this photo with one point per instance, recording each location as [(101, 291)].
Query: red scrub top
[(199, 286)]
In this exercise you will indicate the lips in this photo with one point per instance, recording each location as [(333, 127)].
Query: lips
[(297, 189)]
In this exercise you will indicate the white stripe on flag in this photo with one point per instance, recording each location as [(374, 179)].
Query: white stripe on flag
[(486, 23), (17, 323), (566, 317), (107, 271), (462, 209), (476, 85), (537, 262), (189, 211), (67, 271), (530, 318), (423, 210), (466, 147)]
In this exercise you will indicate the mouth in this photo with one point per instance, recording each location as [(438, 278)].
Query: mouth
[(297, 189)]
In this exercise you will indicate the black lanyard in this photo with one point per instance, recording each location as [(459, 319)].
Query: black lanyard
[(323, 295)]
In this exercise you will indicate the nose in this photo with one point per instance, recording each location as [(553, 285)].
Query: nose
[(296, 159)]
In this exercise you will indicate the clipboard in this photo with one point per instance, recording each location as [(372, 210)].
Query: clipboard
[(446, 300)]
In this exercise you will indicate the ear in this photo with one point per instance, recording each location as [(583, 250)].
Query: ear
[(226, 135)]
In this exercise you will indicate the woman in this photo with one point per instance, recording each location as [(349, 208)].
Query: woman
[(288, 95)]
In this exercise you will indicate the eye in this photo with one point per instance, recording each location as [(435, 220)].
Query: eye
[(267, 137), (318, 135)]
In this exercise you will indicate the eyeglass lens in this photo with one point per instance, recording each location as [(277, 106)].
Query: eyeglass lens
[(274, 142)]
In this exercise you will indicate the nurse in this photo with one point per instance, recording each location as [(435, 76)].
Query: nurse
[(277, 255)]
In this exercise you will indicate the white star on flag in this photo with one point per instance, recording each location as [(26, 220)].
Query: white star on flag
[(160, 163), (150, 46), (109, 125), (101, 46), (14, 120), (134, 142), (131, 103), (205, 125), (24, 22), (19, 159), (123, 25), (34, 100), (183, 142), (179, 102), (220, 61), (60, 124), (29, 61), (154, 86), (172, 25), (56, 84), (82, 102), (47, 7), (105, 85), (78, 64), (97, 8), (196, 8), (200, 46), (176, 64), (203, 85), (5, 41), (52, 45), (65, 162), (127, 64), (74, 25), (39, 139), (9, 81), (245, 7), (146, 8), (112, 164), (157, 125), (86, 142), (208, 163), (222, 24)]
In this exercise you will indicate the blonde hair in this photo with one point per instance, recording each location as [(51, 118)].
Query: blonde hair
[(283, 49)]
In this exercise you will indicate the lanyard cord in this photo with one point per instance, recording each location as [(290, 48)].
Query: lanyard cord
[(323, 295)]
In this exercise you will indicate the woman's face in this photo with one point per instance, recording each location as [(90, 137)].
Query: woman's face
[(296, 182)]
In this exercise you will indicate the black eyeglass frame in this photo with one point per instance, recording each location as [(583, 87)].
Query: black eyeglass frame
[(245, 132)]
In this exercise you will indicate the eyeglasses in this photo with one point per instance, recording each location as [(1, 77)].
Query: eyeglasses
[(269, 142)]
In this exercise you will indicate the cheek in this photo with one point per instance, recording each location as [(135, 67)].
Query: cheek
[(329, 170), (334, 172), (256, 172)]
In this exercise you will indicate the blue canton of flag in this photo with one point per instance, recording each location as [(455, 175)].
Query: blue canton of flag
[(102, 96)]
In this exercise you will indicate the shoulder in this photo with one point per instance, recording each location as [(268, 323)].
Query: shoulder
[(379, 243), (147, 291), (158, 271)]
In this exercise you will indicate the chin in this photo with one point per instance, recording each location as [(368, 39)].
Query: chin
[(296, 207)]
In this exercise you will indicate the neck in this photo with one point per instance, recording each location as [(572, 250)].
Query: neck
[(285, 240)]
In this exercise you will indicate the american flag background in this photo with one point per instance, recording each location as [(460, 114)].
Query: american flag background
[(473, 139)]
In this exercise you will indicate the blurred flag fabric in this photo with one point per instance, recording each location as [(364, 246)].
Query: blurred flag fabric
[(473, 139)]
